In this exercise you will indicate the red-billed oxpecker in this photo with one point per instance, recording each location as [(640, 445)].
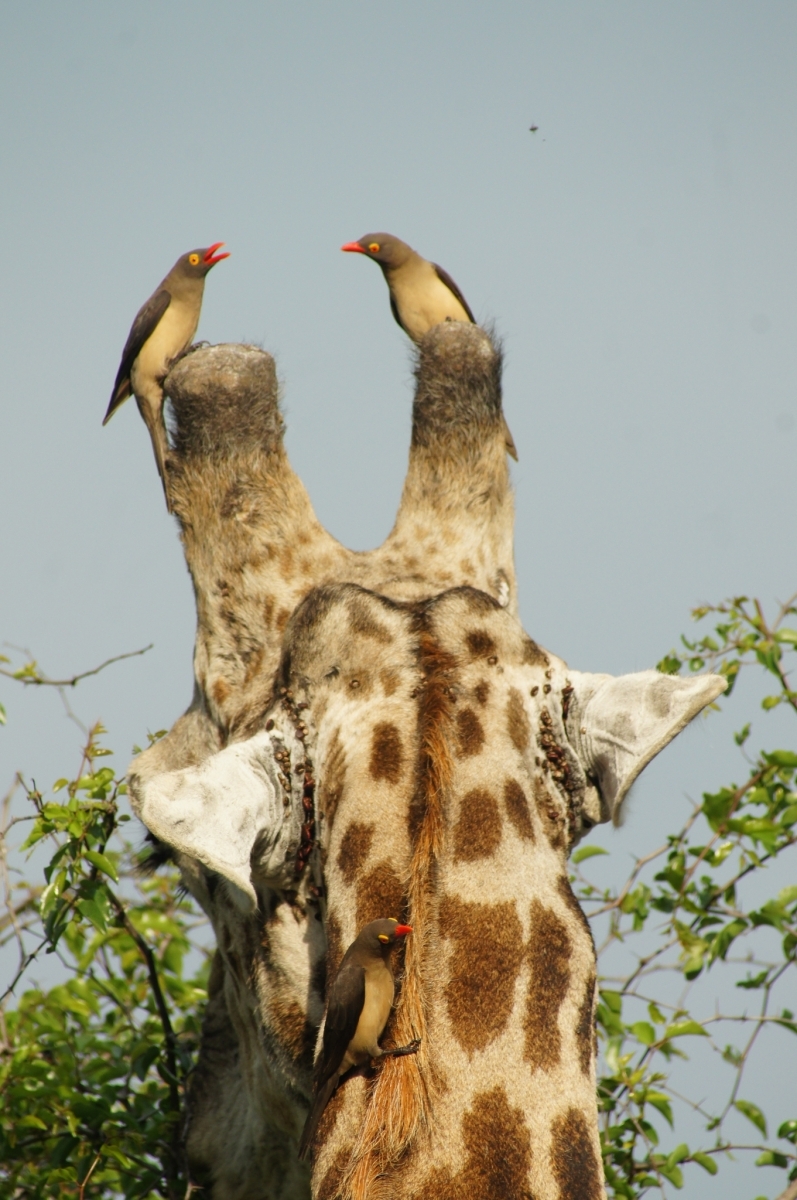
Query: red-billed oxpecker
[(421, 293), (358, 1006), (163, 329)]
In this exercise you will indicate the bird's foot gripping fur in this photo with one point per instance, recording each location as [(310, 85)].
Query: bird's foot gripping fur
[(401, 1051), (189, 350)]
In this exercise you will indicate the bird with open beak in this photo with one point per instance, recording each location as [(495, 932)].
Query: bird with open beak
[(358, 1006), (163, 329), (422, 294)]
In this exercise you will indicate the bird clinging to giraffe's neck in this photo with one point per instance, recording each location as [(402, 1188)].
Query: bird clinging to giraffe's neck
[(358, 1006)]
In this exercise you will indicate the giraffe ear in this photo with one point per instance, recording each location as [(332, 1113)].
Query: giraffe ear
[(227, 813), (619, 723)]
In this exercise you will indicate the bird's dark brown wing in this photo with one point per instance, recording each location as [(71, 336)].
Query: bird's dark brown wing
[(345, 1004), (143, 327), (445, 278)]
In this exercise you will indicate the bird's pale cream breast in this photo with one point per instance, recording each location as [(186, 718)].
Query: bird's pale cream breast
[(173, 334), (379, 991), (423, 300)]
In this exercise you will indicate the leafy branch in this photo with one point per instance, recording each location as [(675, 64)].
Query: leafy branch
[(695, 884)]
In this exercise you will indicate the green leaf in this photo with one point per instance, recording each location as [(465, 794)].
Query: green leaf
[(782, 758), (662, 1103), (612, 1000), (789, 636), (770, 702), (788, 1130), (29, 1121), (705, 1161), (102, 864), (93, 913), (678, 1154), (772, 1158), (674, 1174), (643, 1032), (685, 1029), (585, 852), (753, 1113), (2, 712), (670, 664)]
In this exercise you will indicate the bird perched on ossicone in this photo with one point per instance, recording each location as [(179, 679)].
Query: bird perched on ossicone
[(358, 1006), (422, 294), (164, 327)]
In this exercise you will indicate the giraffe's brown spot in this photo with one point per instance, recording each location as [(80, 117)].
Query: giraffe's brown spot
[(363, 622), (549, 954), (482, 691), (477, 833), (568, 895), (479, 643), (470, 734), (517, 809), (286, 564), (497, 1146), (282, 618), (334, 946), (268, 611), (552, 818), (487, 957), (533, 656), (479, 602), (585, 1027), (333, 778), (379, 894), (355, 846), (221, 691), (361, 682), (386, 753), (295, 1032), (390, 681), (574, 1160), (517, 721)]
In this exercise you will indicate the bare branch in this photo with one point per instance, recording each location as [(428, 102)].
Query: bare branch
[(30, 674)]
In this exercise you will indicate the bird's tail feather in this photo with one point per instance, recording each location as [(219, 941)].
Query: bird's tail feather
[(160, 444), (314, 1116)]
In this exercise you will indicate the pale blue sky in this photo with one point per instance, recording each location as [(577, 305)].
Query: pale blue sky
[(638, 254)]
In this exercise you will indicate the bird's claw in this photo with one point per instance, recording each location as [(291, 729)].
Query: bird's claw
[(412, 1048), (190, 349)]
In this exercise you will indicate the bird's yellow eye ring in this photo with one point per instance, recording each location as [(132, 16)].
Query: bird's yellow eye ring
[(193, 259), (374, 247), (383, 937)]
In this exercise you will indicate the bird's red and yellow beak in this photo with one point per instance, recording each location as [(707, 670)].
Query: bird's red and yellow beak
[(401, 930), (211, 258), (354, 248)]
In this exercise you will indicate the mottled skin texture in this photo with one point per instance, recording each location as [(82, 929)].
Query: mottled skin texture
[(437, 741)]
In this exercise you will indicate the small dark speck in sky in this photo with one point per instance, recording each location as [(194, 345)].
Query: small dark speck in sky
[(533, 128)]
